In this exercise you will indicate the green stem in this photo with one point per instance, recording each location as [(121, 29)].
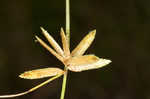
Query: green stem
[(68, 39), (64, 84), (68, 20)]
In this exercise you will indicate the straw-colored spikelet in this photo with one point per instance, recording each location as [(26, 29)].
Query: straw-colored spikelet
[(84, 44), (41, 73), (86, 62)]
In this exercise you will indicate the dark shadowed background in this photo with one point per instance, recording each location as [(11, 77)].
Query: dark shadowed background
[(123, 35)]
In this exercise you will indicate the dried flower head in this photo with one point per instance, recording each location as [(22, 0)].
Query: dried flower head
[(75, 61)]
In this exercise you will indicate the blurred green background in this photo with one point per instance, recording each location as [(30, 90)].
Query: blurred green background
[(123, 35)]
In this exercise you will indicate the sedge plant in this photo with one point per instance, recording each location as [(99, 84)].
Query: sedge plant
[(74, 61)]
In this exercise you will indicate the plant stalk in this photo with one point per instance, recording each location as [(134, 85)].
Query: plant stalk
[(63, 90), (68, 40), (68, 21)]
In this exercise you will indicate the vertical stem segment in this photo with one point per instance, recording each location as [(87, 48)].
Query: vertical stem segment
[(68, 20), (64, 84), (68, 39)]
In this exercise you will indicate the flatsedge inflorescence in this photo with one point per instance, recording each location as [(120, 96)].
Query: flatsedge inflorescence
[(74, 61)]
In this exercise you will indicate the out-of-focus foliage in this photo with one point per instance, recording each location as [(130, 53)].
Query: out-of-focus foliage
[(123, 35)]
